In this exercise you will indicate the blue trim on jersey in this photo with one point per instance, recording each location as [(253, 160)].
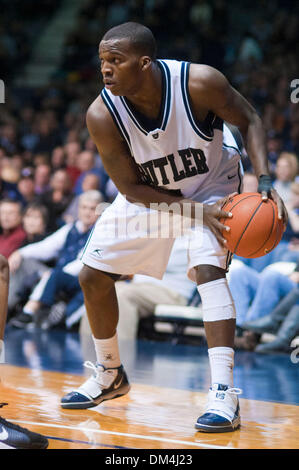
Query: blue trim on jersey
[(166, 104), (135, 121), (232, 147), (184, 86), (167, 95), (115, 116)]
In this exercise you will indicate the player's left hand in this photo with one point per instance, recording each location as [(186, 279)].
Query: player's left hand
[(267, 191)]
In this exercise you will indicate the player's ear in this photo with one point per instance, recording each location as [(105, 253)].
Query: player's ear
[(145, 62)]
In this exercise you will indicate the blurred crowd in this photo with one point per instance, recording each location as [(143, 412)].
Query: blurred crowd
[(47, 159)]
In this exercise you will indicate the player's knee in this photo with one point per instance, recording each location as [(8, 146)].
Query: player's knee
[(91, 279), (207, 273)]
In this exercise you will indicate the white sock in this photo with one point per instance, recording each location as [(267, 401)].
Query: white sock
[(107, 351), (221, 365)]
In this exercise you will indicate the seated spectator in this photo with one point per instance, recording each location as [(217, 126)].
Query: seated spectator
[(283, 321), (26, 188), (286, 171), (90, 182), (42, 177), (35, 221), (58, 158), (63, 246), (138, 298), (274, 148), (9, 190), (12, 233), (72, 150), (57, 199), (257, 294), (86, 165), (48, 136), (30, 270)]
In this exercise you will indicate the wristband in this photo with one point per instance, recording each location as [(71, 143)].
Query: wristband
[(265, 184)]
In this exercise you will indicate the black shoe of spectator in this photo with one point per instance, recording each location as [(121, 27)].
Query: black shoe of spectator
[(23, 320)]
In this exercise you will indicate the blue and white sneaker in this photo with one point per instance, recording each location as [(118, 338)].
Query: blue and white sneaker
[(104, 384), (223, 410)]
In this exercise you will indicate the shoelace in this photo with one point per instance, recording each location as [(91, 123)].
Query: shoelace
[(99, 375), (234, 391)]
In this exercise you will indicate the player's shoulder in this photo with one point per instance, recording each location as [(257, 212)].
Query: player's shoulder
[(203, 76), (97, 111)]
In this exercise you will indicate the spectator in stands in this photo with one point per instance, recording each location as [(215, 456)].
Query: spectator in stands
[(138, 298), (288, 248), (286, 171), (58, 158), (57, 199), (8, 138), (12, 233), (30, 270), (35, 221), (90, 181), (42, 177), (26, 188), (9, 190), (63, 246), (86, 164), (274, 148), (72, 150), (48, 137), (257, 294), (283, 322)]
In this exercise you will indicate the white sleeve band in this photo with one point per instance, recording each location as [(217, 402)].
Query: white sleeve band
[(2, 352), (217, 301)]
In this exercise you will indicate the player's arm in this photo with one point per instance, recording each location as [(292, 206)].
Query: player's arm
[(210, 90), (117, 160), (124, 172)]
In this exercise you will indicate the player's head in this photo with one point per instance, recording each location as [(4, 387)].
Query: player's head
[(126, 51)]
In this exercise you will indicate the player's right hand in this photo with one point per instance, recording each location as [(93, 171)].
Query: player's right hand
[(211, 215)]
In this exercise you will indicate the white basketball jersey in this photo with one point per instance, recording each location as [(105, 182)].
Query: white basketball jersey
[(179, 153)]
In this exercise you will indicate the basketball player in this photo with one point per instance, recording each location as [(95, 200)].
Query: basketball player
[(158, 126), (13, 436)]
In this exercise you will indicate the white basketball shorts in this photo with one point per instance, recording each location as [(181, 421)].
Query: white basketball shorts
[(131, 239)]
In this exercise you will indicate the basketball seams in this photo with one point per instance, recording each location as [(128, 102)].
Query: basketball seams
[(254, 212), (247, 225), (235, 205), (273, 220), (240, 201)]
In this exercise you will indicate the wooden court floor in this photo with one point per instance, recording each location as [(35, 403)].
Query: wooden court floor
[(149, 417)]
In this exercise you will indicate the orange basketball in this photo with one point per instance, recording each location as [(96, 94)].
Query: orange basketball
[(255, 229)]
